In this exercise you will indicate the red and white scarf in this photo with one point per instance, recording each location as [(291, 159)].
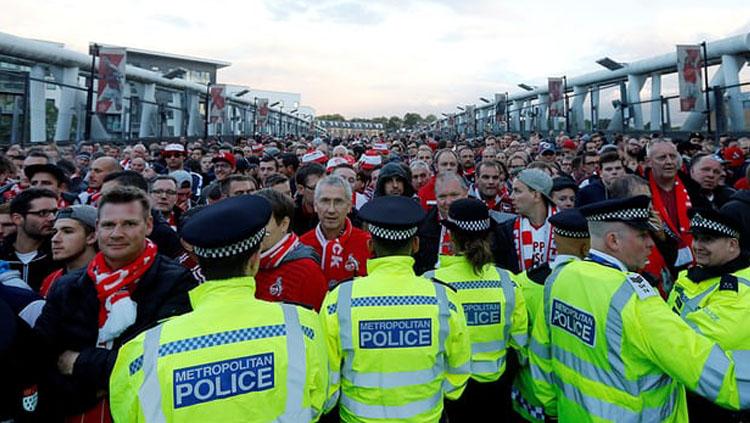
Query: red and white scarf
[(272, 258), (679, 226), (114, 286), (332, 257), (93, 196), (533, 250), (492, 203)]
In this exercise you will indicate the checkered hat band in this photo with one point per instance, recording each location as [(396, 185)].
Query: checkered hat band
[(231, 250), (623, 215), (570, 234), (471, 225), (700, 222), (392, 234)]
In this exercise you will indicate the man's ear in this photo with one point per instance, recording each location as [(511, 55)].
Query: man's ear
[(17, 219), (415, 245), (91, 239), (370, 247)]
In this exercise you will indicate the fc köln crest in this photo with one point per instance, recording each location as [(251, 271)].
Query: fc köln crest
[(30, 399), (352, 265), (276, 288)]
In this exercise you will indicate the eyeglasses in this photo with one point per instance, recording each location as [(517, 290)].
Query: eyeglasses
[(43, 213), (164, 192)]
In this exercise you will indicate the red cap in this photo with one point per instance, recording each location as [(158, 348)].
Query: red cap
[(225, 157), (734, 155), (316, 156), (569, 144)]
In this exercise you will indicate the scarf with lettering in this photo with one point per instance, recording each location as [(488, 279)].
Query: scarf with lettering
[(115, 286), (679, 226), (272, 258), (523, 237), (332, 256), (500, 202)]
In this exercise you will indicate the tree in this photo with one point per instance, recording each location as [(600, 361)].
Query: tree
[(394, 124), (430, 118), (412, 119), (335, 116)]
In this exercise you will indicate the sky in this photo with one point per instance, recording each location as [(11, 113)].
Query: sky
[(386, 57)]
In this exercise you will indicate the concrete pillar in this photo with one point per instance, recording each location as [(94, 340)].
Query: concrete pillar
[(577, 119), (635, 84), (177, 113), (656, 117), (595, 107), (37, 105), (515, 116), (529, 111), (195, 123), (695, 120), (67, 105), (543, 108), (731, 66), (148, 110)]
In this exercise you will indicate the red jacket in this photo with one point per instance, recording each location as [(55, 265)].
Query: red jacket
[(350, 261), (426, 195), (298, 279)]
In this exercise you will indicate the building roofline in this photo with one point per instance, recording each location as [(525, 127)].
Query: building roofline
[(219, 63)]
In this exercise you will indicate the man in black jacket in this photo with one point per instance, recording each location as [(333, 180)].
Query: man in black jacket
[(738, 206), (126, 289), (28, 250)]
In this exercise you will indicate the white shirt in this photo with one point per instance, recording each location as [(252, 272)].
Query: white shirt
[(26, 258), (608, 258)]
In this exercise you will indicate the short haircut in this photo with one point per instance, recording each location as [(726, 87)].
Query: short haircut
[(626, 186), (275, 179), (333, 181), (656, 141), (163, 178), (226, 267), (290, 159), (7, 165), (609, 157), (267, 158), (488, 163), (388, 247), (124, 195), (5, 208), (308, 170), (700, 156), (419, 164), (22, 202), (227, 182), (281, 205), (444, 178), (128, 178)]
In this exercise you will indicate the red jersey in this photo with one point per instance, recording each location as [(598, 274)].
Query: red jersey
[(342, 258)]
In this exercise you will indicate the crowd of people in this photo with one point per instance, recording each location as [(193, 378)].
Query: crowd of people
[(548, 276)]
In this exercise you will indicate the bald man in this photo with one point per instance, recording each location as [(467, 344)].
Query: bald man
[(100, 168)]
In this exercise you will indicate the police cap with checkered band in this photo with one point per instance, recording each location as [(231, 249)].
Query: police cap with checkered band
[(229, 227), (392, 217), (469, 216), (569, 223), (713, 223), (634, 211)]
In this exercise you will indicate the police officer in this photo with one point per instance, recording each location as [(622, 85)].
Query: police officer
[(571, 234), (714, 296), (608, 348), (233, 357), (397, 342), (494, 308)]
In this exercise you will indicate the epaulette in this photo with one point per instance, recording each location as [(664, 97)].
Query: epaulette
[(729, 282), (641, 286), (439, 282), (539, 273), (331, 287), (294, 303)]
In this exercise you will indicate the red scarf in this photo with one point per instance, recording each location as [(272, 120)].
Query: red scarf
[(681, 226), (332, 259), (93, 198), (526, 245), (272, 258), (115, 284), (446, 242)]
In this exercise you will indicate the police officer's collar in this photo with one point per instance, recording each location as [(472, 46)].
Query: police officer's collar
[(207, 291), (561, 259), (699, 274), (606, 260)]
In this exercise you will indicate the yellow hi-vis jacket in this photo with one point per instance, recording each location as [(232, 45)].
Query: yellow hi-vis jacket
[(494, 309), (233, 358), (718, 308), (610, 349), (397, 344), (531, 282)]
